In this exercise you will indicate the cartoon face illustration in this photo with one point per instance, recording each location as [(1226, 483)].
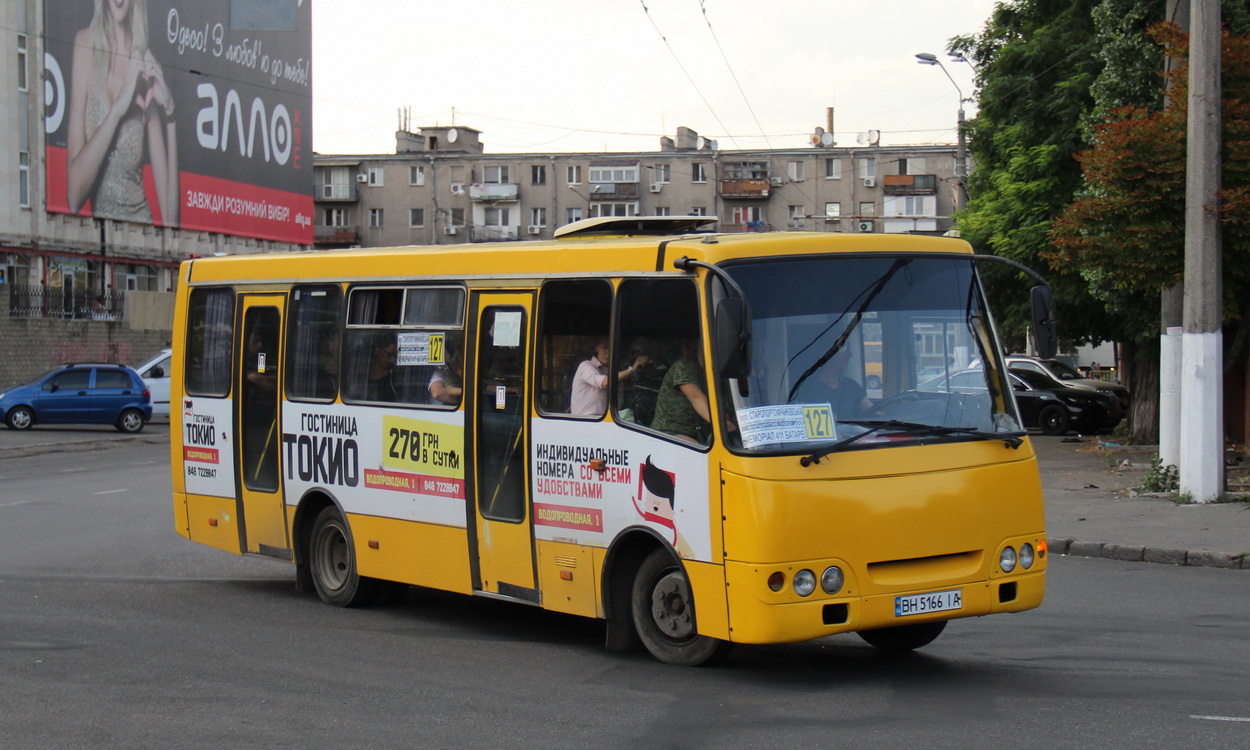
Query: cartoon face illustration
[(657, 493)]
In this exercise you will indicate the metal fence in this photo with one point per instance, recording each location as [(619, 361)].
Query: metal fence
[(65, 304)]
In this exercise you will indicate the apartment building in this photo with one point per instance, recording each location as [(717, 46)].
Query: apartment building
[(440, 187), (83, 281)]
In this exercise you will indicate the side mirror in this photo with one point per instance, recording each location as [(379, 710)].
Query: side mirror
[(156, 372), (52, 387), (732, 339), (1045, 327)]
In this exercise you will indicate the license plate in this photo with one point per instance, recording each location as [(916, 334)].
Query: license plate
[(922, 604)]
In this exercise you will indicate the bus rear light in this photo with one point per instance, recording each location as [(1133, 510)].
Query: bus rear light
[(776, 581), (804, 582)]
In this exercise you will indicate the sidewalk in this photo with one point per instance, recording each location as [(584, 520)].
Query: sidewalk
[(1090, 509)]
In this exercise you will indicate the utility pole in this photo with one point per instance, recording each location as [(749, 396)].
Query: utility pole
[(1202, 364)]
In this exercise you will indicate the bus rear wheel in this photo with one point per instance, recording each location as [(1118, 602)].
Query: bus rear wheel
[(663, 611), (332, 563), (904, 637)]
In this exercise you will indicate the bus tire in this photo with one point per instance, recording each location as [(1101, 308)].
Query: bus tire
[(903, 637), (663, 611), (332, 563), (1053, 420)]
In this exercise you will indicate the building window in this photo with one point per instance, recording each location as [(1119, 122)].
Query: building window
[(538, 174), (750, 216), (663, 211), (572, 214), (629, 208), (833, 169), (866, 168), (457, 217), (663, 173), (833, 210), (796, 215), (497, 217), (375, 176), (21, 62), (23, 179), (614, 174), (698, 172), (336, 217), (911, 166), (698, 211), (416, 175), (375, 217), (495, 175), (538, 217), (868, 208), (416, 217), (794, 170), (337, 183), (573, 174)]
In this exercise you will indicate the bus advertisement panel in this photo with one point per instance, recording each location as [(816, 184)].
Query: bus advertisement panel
[(181, 114)]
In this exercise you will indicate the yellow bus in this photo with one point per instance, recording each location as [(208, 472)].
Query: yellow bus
[(640, 421)]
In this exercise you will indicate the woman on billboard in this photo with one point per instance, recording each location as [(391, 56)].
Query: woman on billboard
[(120, 112)]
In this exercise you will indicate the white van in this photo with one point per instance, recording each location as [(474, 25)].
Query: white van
[(155, 373)]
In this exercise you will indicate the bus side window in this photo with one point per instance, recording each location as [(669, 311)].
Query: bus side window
[(574, 315), (313, 343), (660, 318)]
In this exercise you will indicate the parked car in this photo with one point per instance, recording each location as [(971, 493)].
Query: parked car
[(1059, 371), (90, 393), (155, 373), (1054, 407)]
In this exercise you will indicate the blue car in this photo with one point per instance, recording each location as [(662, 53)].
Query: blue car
[(80, 394)]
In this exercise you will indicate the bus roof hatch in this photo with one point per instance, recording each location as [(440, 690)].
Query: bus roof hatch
[(622, 226)]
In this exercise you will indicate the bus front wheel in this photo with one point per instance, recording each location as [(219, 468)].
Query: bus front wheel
[(904, 637), (663, 611), (332, 563)]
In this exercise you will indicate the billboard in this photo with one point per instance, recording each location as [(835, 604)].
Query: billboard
[(183, 113)]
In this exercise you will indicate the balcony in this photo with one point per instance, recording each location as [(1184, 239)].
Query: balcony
[(328, 192), (493, 234), (747, 188), (910, 184), (336, 236), (606, 191), (493, 192), (750, 226)]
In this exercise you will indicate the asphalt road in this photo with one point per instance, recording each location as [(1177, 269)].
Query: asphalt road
[(116, 632)]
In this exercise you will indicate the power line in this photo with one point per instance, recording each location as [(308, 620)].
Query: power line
[(708, 21)]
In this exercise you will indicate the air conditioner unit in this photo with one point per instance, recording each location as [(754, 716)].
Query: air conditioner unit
[(870, 182), (457, 189), (362, 177), (775, 181), (535, 229), (451, 230), (865, 226), (657, 187)]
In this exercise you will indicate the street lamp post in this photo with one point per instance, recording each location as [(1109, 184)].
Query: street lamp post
[(961, 153)]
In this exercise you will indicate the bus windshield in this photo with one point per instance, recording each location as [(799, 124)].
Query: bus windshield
[(857, 351)]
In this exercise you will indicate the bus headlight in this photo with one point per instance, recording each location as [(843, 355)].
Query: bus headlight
[(804, 582), (832, 579), (1026, 555), (1007, 559)]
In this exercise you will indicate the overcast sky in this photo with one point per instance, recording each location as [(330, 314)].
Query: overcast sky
[(615, 75)]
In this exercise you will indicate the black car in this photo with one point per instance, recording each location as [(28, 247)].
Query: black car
[(1054, 408)]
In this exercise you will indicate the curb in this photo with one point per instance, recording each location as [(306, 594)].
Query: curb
[(1188, 558)]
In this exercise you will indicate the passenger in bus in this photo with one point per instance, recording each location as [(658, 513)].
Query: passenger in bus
[(446, 384), (831, 385), (327, 376), (262, 364), (380, 386), (682, 407), (590, 382)]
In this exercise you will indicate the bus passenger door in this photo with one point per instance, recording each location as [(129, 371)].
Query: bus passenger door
[(504, 560), (262, 512)]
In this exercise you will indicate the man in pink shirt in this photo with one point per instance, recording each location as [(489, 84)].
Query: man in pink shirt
[(590, 383)]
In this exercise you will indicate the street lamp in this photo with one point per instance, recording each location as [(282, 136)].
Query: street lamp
[(961, 154), (586, 198)]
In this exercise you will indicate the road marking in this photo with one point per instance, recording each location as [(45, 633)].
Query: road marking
[(110, 492), (1220, 718), (10, 505)]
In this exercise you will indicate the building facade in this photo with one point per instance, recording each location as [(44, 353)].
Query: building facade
[(439, 187), (76, 287)]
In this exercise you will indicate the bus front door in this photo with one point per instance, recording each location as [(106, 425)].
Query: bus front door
[(504, 560), (262, 519)]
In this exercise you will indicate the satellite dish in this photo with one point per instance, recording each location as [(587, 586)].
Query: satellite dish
[(874, 137), (861, 138), (713, 145), (826, 140), (699, 143), (452, 135)]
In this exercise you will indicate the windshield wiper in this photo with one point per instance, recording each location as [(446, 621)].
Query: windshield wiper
[(1012, 439)]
